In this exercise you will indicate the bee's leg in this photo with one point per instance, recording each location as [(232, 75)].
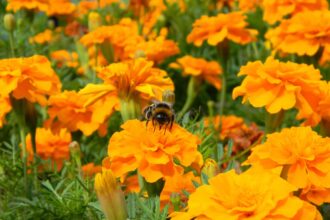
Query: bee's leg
[(153, 124), (172, 120), (165, 127), (160, 126), (147, 123)]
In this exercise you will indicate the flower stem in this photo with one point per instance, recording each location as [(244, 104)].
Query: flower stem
[(273, 121), (191, 93), (11, 43)]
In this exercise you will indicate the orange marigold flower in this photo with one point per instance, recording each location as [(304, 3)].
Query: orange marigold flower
[(136, 78), (300, 34), (39, 5), (63, 57), (77, 111), (46, 36), (301, 153), (155, 50), (233, 127), (50, 146), (154, 153), (275, 10), (176, 185), (60, 7), (200, 68), (247, 196), (5, 107), (31, 78), (249, 5), (90, 169), (231, 26), (280, 86)]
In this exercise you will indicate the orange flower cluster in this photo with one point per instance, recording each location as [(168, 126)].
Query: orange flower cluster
[(88, 109), (154, 153), (301, 34), (281, 86), (232, 196), (5, 107), (58, 7), (231, 26), (304, 158), (249, 5), (90, 169), (50, 146), (233, 127), (275, 10), (126, 42), (201, 69)]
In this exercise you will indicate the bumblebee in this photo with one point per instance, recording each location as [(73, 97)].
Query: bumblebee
[(161, 114)]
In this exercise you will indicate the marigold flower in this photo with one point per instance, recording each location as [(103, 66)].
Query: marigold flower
[(110, 196), (155, 50), (307, 160), (91, 169), (280, 86), (31, 78), (60, 7), (249, 5), (231, 26), (300, 34), (176, 185), (15, 5), (50, 146), (200, 68), (233, 127), (151, 151), (275, 10), (5, 107), (43, 37), (136, 78), (63, 57), (78, 111), (254, 194)]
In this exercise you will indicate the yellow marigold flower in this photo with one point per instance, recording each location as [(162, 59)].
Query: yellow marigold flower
[(46, 36), (231, 26), (200, 68), (254, 194), (78, 111), (31, 78), (111, 197), (153, 152), (303, 154), (65, 58), (90, 169), (5, 107), (60, 7), (50, 146), (300, 34), (280, 86), (176, 185), (275, 10), (39, 5)]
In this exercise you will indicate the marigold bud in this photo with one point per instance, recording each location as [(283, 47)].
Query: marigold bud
[(110, 196), (9, 22), (139, 54), (94, 21), (210, 168)]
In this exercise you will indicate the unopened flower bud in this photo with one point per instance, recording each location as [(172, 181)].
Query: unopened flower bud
[(110, 196), (9, 22), (175, 200), (210, 168), (94, 21)]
